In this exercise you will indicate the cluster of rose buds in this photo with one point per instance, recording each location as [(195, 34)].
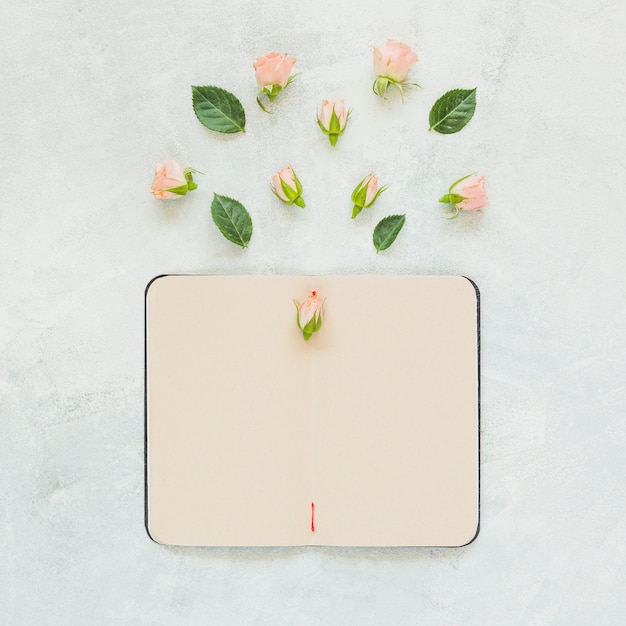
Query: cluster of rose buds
[(392, 64)]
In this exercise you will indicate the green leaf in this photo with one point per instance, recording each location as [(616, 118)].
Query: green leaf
[(453, 111), (232, 219), (387, 230), (218, 109)]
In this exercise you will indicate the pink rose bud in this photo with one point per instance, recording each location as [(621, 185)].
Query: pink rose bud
[(171, 181), (332, 119), (392, 63), (287, 186), (366, 193), (310, 313), (273, 75), (467, 194)]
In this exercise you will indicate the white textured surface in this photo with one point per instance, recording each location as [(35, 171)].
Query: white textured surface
[(94, 93)]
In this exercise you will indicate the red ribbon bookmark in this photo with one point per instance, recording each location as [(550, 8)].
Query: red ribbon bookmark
[(312, 517)]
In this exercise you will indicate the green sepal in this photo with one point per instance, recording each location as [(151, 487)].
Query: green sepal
[(455, 183), (452, 198), (360, 193), (291, 79), (456, 213), (290, 192), (312, 326), (380, 86), (272, 91), (189, 172), (333, 135), (179, 191), (356, 209), (297, 313), (382, 83), (298, 201), (298, 183), (400, 87), (297, 304), (258, 101), (334, 127)]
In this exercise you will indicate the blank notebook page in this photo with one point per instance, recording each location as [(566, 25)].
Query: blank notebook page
[(365, 435)]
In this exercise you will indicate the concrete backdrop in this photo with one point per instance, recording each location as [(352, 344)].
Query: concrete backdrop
[(94, 93)]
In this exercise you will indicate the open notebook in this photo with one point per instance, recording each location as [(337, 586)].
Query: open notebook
[(366, 435)]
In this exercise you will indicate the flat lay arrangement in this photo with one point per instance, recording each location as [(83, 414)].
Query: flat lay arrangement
[(292, 463), (252, 385), (221, 111)]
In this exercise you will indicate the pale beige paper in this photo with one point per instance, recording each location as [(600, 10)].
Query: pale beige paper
[(375, 419)]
